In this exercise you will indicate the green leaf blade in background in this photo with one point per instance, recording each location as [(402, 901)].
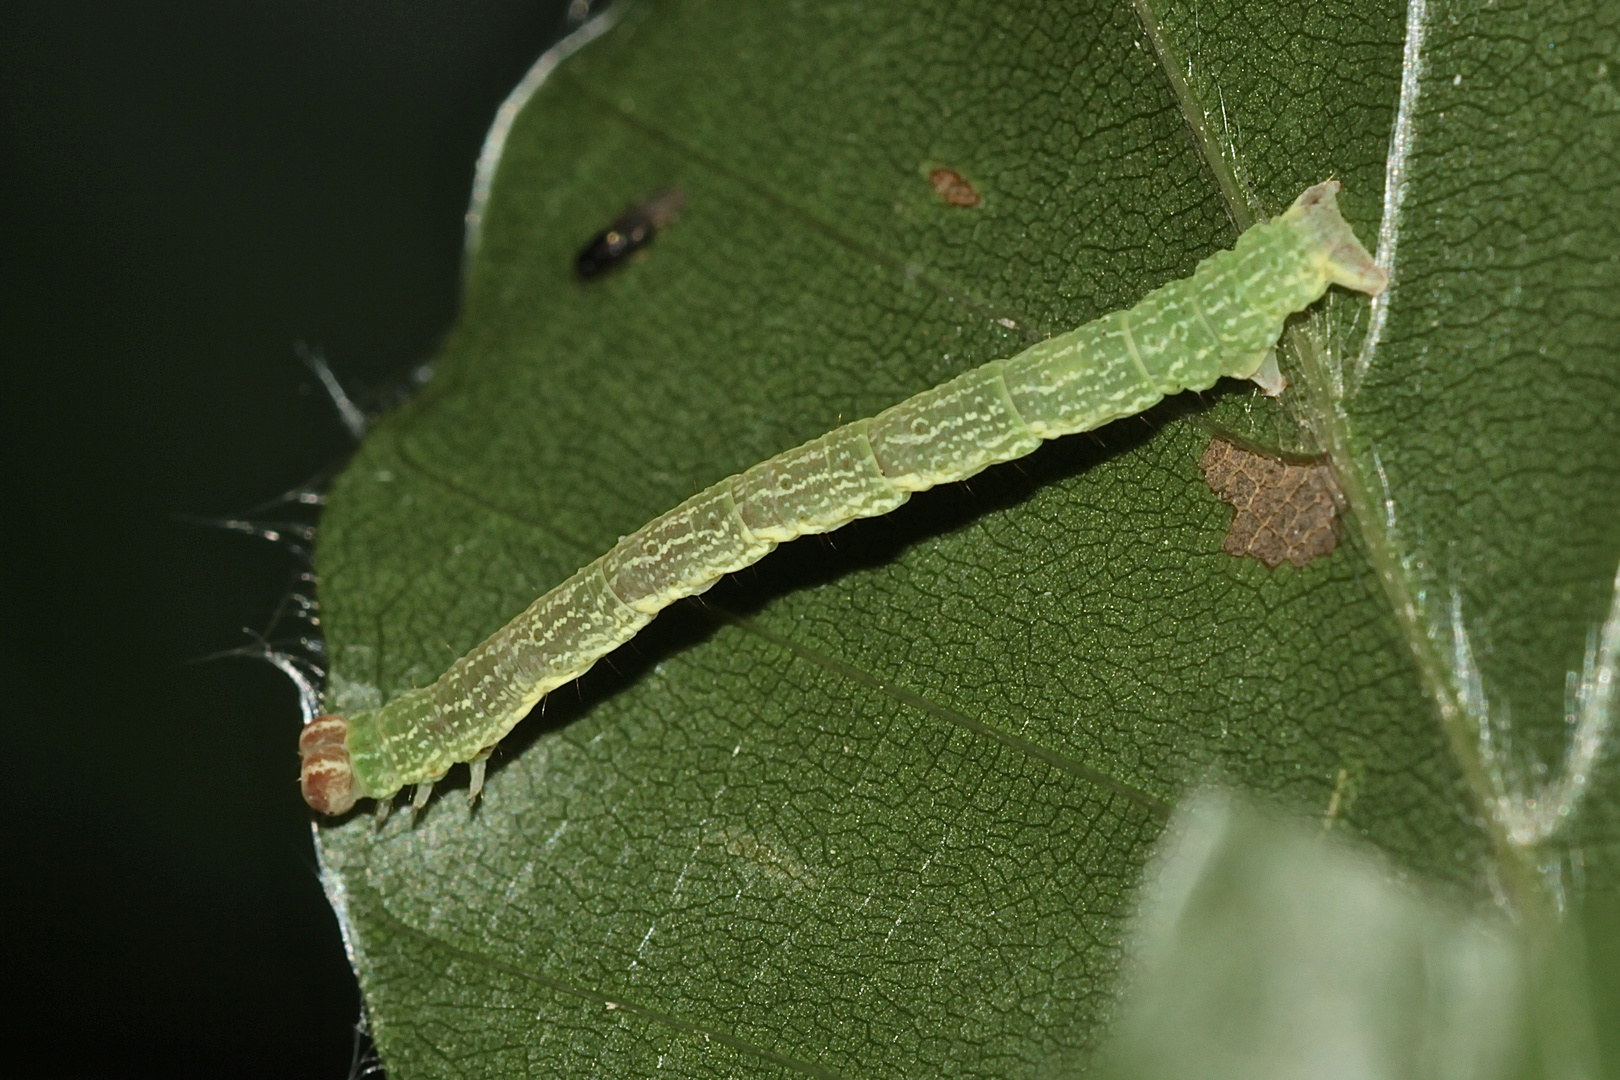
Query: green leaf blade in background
[(879, 806)]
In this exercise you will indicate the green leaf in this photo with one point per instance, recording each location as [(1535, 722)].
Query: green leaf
[(879, 806)]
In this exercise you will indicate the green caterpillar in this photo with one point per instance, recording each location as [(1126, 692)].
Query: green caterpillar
[(1223, 320)]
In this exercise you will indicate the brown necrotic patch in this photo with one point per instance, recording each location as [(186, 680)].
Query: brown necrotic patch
[(953, 187), (1283, 511)]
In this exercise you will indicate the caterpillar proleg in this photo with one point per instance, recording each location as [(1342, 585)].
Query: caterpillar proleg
[(1222, 321)]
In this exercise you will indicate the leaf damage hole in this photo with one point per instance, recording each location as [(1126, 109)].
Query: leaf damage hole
[(1282, 511), (953, 187)]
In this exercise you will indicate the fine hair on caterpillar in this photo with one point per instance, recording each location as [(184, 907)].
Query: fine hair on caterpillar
[(1223, 321)]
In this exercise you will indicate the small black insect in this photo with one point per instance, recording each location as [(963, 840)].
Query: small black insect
[(630, 232)]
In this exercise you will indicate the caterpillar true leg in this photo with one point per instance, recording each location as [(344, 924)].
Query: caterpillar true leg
[(476, 768), (419, 799)]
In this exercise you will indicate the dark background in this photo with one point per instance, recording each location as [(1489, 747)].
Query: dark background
[(189, 188)]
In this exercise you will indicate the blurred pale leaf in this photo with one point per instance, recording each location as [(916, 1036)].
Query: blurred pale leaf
[(1265, 951)]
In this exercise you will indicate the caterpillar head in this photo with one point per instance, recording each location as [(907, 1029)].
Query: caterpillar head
[(325, 774), (1343, 260)]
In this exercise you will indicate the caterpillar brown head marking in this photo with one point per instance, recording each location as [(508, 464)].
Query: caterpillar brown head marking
[(325, 774)]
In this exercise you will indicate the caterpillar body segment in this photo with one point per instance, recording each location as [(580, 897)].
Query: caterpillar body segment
[(815, 488), (949, 433), (1222, 321), (682, 552)]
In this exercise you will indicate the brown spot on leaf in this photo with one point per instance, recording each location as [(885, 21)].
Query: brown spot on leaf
[(953, 187), (1284, 512)]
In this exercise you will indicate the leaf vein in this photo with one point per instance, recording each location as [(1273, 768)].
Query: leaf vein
[(917, 701), (607, 1001)]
